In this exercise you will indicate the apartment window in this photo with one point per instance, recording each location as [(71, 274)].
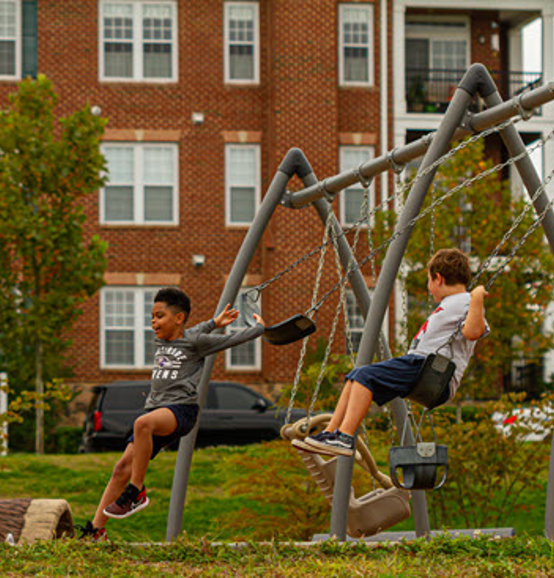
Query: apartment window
[(142, 187), (241, 60), (242, 183), (437, 55), (247, 356), (138, 41), (18, 39), (356, 44), (127, 339), (352, 198), (355, 322)]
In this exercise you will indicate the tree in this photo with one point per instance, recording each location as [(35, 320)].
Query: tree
[(47, 265), (475, 219)]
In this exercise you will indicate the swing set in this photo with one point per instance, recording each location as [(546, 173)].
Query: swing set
[(418, 462)]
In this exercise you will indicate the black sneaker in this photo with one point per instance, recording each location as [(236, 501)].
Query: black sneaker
[(89, 532), (306, 447), (128, 503), (340, 444)]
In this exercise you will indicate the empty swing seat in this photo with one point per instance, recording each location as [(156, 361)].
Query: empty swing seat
[(419, 465), (290, 330), (367, 515)]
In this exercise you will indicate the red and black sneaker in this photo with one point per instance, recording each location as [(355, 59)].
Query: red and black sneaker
[(89, 532), (131, 501)]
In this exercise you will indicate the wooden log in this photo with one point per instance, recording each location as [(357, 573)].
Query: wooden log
[(29, 520)]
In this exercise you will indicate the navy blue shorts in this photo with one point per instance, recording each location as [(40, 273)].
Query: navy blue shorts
[(186, 418), (388, 379)]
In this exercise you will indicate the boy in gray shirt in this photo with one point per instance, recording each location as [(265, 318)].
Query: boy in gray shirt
[(460, 315), (171, 407)]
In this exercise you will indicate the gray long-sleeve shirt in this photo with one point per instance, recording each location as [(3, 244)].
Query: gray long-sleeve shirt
[(178, 364)]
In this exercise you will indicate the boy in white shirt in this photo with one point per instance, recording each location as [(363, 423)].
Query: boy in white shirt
[(448, 276)]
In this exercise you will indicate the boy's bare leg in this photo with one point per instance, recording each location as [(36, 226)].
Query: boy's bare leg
[(359, 402), (119, 479), (160, 422), (340, 409)]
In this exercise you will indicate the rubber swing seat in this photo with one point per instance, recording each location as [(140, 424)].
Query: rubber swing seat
[(290, 330)]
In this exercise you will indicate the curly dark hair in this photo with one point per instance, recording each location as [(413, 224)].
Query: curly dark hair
[(174, 298), (452, 264)]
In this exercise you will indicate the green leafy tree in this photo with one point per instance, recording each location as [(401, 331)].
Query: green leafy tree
[(48, 266), (475, 218)]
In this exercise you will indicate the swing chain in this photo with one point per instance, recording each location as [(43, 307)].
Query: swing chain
[(315, 291), (411, 422), (340, 307), (382, 204), (538, 220)]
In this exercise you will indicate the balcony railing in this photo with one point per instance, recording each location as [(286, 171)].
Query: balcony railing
[(429, 90)]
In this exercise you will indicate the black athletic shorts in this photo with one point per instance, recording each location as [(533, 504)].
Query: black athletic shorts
[(186, 418)]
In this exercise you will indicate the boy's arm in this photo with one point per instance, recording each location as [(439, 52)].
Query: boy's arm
[(209, 343), (475, 324), (212, 343)]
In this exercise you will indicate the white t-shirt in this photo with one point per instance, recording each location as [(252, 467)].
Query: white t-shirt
[(447, 319)]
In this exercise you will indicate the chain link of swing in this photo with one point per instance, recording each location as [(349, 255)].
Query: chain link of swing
[(398, 193), (439, 201), (331, 237)]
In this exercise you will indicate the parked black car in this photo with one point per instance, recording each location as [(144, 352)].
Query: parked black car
[(232, 414)]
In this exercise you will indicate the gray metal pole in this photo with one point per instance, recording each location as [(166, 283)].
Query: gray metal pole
[(400, 156), (532, 183), (294, 162), (345, 466), (385, 283)]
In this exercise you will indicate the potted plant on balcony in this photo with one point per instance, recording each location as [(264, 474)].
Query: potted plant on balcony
[(416, 94)]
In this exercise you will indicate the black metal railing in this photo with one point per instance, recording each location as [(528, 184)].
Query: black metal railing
[(430, 89)]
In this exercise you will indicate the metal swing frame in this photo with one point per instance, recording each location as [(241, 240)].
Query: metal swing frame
[(457, 123)]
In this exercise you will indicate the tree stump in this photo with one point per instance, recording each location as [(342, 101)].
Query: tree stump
[(29, 520)]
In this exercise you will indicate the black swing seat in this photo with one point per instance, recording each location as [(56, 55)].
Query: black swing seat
[(291, 329), (419, 465), (432, 386)]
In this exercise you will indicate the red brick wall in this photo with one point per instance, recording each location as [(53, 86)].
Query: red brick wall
[(297, 104)]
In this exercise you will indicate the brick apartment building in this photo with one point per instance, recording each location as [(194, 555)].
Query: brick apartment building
[(204, 98)]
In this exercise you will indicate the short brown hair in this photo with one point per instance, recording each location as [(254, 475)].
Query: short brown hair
[(452, 264)]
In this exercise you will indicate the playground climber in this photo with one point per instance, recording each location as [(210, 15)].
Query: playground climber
[(171, 407), (448, 274)]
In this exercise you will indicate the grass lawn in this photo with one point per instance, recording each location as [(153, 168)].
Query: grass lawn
[(233, 493), (260, 494)]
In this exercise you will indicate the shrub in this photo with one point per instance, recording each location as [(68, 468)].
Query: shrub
[(488, 471)]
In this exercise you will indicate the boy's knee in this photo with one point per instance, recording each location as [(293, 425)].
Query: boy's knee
[(142, 425)]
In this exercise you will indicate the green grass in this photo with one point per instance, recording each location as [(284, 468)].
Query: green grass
[(444, 557), (217, 502), (214, 498)]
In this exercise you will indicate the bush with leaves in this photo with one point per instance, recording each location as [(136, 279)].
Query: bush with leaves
[(489, 471)]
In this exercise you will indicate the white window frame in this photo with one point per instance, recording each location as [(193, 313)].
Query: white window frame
[(138, 42), (369, 153), (228, 185), (257, 343), (139, 325), (227, 44), (17, 39), (370, 45), (434, 29), (359, 330), (139, 184)]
